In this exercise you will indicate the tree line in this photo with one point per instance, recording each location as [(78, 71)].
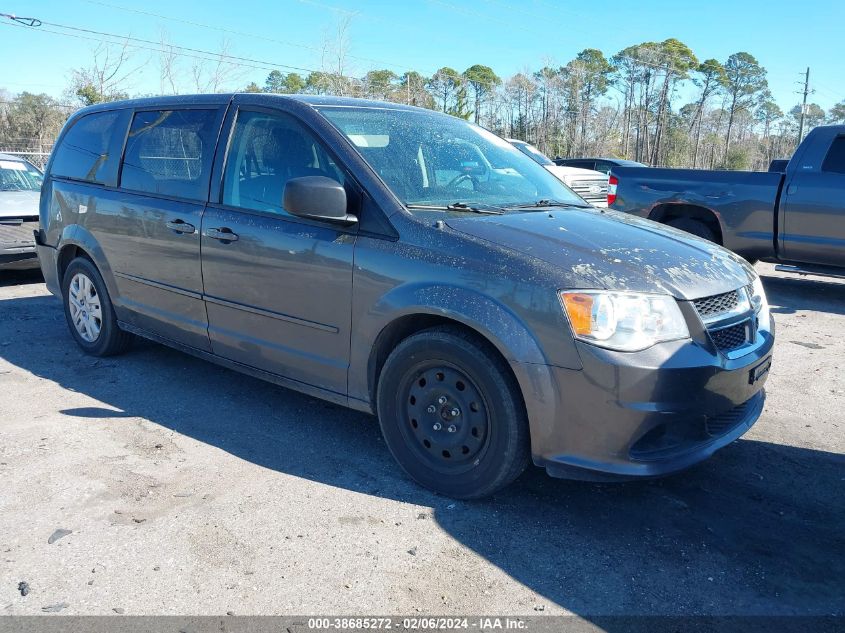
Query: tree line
[(655, 102)]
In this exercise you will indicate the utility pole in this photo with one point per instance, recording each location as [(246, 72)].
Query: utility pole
[(804, 105)]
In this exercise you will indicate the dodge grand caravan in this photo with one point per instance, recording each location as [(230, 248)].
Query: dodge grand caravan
[(408, 264)]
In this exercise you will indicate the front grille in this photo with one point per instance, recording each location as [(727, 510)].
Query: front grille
[(732, 337), (710, 307), (724, 422), (720, 314), (590, 189), (17, 232)]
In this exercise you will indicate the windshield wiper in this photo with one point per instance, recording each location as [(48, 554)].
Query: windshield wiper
[(460, 206), (542, 204)]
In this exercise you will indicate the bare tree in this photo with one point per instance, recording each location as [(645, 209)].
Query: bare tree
[(333, 61), (108, 77)]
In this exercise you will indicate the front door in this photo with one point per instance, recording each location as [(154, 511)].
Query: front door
[(814, 211), (278, 288)]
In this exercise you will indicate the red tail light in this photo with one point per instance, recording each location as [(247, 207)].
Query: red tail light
[(611, 189)]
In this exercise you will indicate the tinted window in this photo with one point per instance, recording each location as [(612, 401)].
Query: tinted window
[(835, 159), (266, 151), (91, 148), (169, 152)]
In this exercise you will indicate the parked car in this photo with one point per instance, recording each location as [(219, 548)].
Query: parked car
[(590, 185), (604, 165), (20, 189), (795, 218), (362, 253)]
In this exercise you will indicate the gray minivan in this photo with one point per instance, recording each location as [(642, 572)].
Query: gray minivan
[(409, 264)]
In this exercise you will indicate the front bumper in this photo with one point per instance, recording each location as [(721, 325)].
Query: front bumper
[(649, 413), (17, 245)]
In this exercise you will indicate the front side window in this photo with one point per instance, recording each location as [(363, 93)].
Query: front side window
[(90, 149), (430, 159), (169, 152), (266, 151), (18, 175), (835, 159)]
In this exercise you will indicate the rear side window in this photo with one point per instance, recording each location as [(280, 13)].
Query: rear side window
[(169, 152), (835, 159), (90, 150)]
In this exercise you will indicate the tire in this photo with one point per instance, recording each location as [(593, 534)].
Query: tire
[(452, 414), (89, 311), (696, 227)]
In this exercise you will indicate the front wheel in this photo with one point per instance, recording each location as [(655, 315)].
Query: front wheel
[(452, 415), (89, 312)]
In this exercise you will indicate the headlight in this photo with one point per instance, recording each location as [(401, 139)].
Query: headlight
[(757, 295), (623, 321)]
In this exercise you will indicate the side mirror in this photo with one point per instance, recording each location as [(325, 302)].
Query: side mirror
[(318, 198)]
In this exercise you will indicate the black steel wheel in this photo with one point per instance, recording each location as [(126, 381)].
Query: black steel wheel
[(452, 415), (448, 421)]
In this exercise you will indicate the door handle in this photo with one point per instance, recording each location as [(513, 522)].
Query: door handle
[(223, 234), (180, 226)]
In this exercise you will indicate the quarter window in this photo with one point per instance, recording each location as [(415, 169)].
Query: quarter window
[(90, 149), (835, 159), (169, 152), (266, 151)]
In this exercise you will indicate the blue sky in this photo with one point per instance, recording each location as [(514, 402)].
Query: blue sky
[(423, 35)]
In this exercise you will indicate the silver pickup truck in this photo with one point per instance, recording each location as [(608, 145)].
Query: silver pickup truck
[(20, 190)]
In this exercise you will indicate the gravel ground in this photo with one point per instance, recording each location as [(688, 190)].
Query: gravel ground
[(154, 483)]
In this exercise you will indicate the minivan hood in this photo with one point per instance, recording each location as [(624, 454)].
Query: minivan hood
[(614, 251), (17, 204)]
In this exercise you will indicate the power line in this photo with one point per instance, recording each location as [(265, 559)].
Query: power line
[(233, 31), (149, 45), (20, 20)]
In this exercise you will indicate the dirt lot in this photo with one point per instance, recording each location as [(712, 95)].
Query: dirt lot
[(190, 489)]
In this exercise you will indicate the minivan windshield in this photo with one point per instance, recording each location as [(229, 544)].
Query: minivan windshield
[(18, 175), (431, 160)]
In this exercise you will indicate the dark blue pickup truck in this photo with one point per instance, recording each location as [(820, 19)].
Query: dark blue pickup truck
[(795, 218)]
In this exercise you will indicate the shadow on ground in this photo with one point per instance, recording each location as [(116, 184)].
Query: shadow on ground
[(755, 530), (9, 277), (789, 294)]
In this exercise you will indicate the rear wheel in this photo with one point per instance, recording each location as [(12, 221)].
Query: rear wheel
[(89, 312), (696, 227), (452, 415)]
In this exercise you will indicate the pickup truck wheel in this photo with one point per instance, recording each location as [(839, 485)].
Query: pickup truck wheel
[(696, 227), (89, 312), (452, 414)]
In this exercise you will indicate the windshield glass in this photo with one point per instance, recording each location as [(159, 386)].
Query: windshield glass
[(434, 159), (18, 175), (533, 153)]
